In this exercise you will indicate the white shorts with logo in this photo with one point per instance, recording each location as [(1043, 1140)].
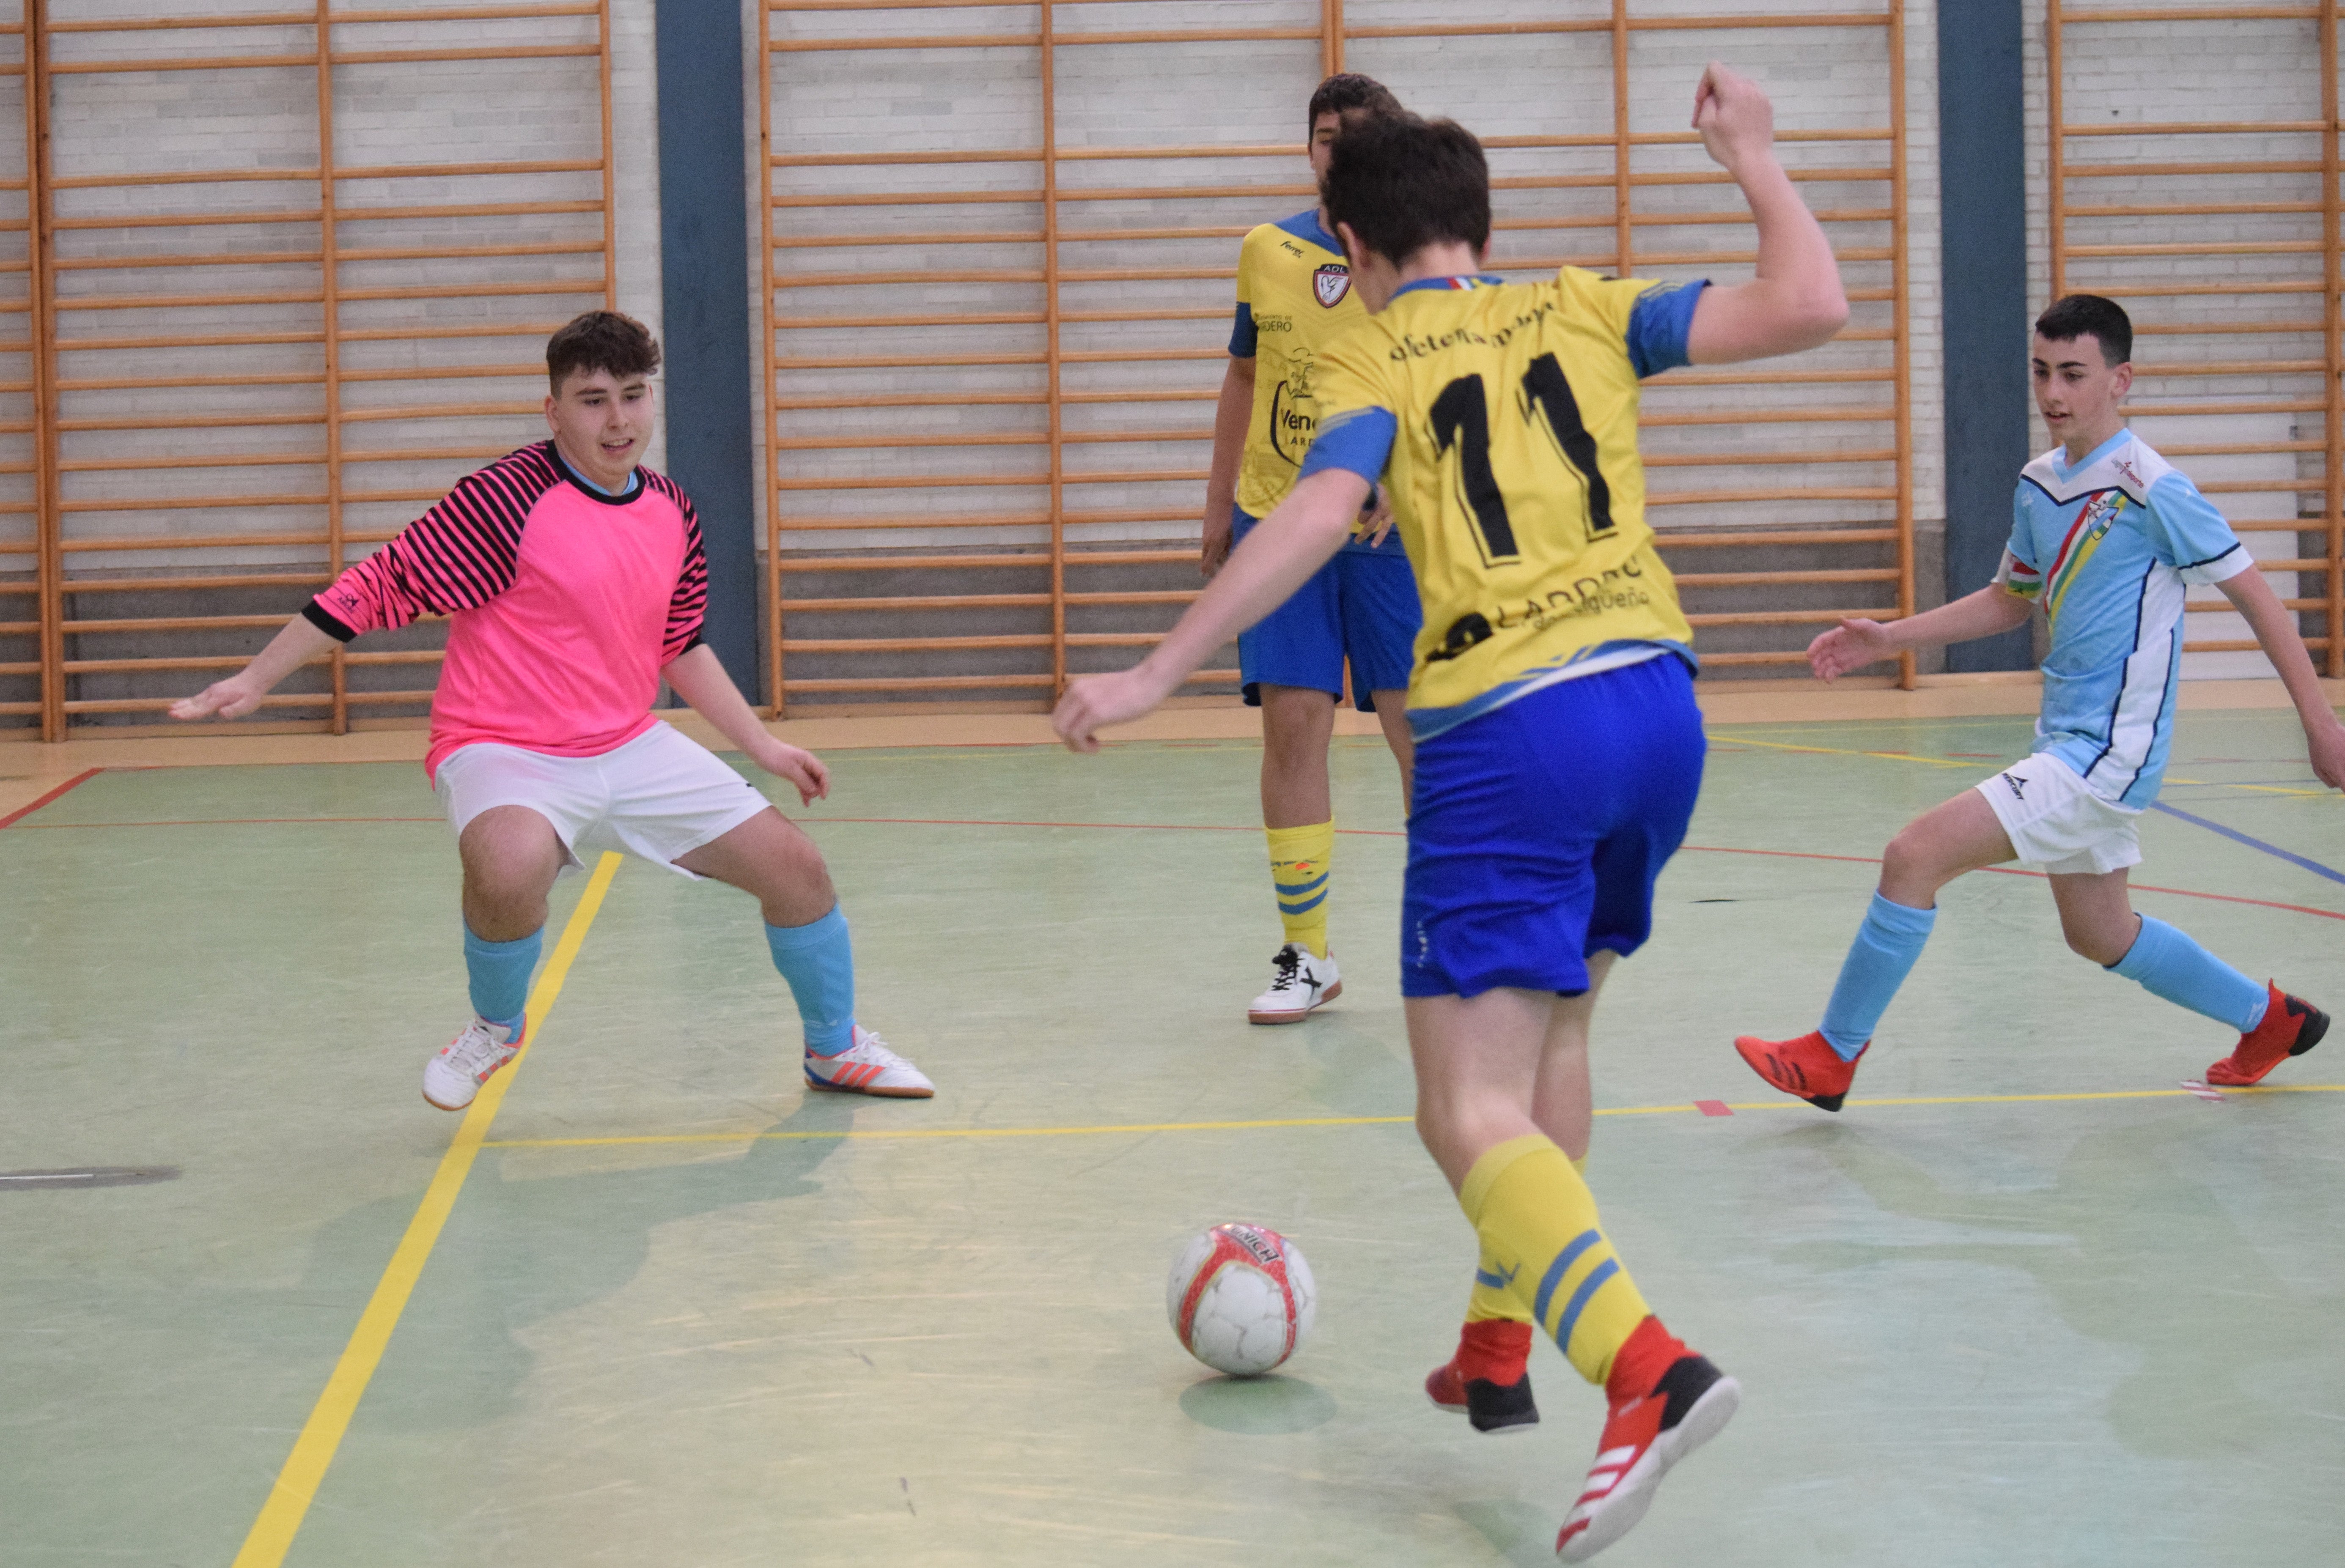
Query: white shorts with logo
[(2056, 823), (659, 797)]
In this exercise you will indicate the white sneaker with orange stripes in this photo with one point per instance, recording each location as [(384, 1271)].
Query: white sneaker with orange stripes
[(867, 1066), (452, 1077)]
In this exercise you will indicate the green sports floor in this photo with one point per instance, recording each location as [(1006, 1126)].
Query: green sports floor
[(2026, 1301)]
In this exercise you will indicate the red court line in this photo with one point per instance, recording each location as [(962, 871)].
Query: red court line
[(1139, 827), (24, 811)]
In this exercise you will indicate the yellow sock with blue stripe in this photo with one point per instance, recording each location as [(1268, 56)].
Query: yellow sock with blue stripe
[(1540, 1235), (1491, 1301), (1298, 870)]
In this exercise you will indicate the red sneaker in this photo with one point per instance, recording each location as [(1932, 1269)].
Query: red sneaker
[(1807, 1066), (1654, 1422), (2291, 1026), (1488, 1381)]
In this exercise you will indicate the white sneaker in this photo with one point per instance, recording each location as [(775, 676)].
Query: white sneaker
[(869, 1068), (452, 1077), (1298, 983)]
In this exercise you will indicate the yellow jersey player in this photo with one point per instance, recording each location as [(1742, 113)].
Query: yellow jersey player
[(1558, 749), (1294, 298)]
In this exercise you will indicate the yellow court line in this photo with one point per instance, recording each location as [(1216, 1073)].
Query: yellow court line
[(305, 1468), (863, 1135)]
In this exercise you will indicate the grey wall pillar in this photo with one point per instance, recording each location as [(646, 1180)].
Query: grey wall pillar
[(1983, 181), (704, 296)]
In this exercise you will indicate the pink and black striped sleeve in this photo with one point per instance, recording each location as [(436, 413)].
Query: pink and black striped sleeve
[(689, 606), (458, 556)]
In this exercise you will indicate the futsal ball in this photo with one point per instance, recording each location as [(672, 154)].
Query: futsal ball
[(1241, 1298)]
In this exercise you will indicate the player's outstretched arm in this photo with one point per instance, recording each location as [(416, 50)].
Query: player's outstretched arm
[(240, 693), (1301, 535), (699, 678), (2275, 629), (1854, 643), (1232, 413), (1796, 300)]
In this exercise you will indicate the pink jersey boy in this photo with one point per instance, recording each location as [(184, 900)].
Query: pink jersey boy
[(575, 583)]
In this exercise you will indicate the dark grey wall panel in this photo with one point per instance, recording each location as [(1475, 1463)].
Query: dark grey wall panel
[(705, 297), (1983, 182)]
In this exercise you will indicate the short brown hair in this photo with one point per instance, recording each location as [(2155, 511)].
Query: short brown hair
[(601, 340), (1404, 184), (1348, 92)]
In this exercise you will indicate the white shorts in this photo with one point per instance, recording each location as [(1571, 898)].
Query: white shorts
[(2056, 823), (659, 797)]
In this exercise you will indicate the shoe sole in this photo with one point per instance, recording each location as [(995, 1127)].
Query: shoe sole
[(1507, 1429), (814, 1083), (1297, 1014), (435, 1105), (1626, 1505)]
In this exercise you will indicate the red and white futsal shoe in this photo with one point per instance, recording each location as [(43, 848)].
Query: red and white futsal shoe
[(868, 1067), (1807, 1066), (1644, 1435), (452, 1077), (1298, 983), (2291, 1026)]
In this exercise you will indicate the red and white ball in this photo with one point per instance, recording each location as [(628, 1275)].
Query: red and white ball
[(1241, 1298)]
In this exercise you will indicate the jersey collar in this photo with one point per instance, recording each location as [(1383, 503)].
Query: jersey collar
[(2064, 470), (1305, 226), (1463, 280)]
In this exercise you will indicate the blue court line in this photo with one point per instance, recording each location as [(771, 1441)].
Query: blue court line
[(2314, 867)]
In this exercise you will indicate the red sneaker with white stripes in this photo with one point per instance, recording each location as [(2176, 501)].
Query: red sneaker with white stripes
[(1654, 1422)]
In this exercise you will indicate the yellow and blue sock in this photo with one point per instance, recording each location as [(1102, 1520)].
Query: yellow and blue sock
[(819, 961), (1298, 870), (1491, 1301), (2165, 962), (499, 972), (1541, 1235), (1878, 961)]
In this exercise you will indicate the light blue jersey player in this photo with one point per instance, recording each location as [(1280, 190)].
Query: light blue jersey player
[(2107, 538)]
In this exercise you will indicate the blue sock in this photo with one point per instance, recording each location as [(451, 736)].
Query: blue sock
[(1878, 962), (501, 971), (819, 961), (2167, 963)]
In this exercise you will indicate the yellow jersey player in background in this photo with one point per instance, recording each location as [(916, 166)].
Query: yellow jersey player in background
[(1558, 749), (1294, 298)]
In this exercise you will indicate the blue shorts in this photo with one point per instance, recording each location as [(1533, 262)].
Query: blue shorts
[(1537, 830), (1362, 606)]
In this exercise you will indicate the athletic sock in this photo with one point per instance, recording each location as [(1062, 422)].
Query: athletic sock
[(1491, 1301), (2165, 962), (819, 961), (1298, 870), (1878, 962), (1538, 1227), (500, 973)]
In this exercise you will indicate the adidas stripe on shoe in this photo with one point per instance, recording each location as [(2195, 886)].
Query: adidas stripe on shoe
[(869, 1068), (2291, 1026), (1643, 1438), (1807, 1066)]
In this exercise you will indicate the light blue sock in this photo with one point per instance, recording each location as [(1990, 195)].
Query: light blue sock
[(2165, 962), (501, 971), (819, 961), (1878, 962)]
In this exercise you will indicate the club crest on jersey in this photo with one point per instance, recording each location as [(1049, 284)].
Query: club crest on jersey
[(2101, 514), (1331, 283)]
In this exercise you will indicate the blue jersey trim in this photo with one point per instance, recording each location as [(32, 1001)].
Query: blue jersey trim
[(1424, 723), (1660, 324), (1357, 441), (1242, 333), (1305, 226)]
